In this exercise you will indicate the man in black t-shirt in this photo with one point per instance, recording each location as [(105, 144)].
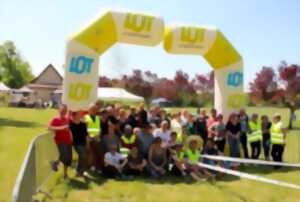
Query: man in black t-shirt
[(79, 133)]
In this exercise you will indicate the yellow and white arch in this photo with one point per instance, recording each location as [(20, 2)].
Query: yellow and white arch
[(219, 53), (85, 47)]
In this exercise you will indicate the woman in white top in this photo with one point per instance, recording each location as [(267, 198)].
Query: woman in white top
[(163, 132)]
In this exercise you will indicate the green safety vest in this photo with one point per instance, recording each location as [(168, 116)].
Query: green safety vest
[(180, 155), (130, 140), (193, 156), (277, 136), (256, 134), (93, 127)]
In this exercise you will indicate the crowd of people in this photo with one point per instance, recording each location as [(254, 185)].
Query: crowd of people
[(120, 143)]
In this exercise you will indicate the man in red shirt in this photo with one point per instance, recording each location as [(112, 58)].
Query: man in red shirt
[(60, 127)]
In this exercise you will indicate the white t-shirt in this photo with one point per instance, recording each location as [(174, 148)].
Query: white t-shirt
[(165, 136), (115, 159)]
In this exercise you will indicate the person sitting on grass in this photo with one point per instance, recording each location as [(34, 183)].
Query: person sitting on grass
[(210, 149), (192, 156), (177, 155), (157, 158), (136, 164), (63, 139), (114, 163)]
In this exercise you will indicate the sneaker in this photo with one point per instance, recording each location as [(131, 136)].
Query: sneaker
[(54, 166)]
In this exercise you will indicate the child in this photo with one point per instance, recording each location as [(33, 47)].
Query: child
[(178, 168), (114, 162)]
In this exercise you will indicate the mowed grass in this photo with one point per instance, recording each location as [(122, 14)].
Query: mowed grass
[(19, 126)]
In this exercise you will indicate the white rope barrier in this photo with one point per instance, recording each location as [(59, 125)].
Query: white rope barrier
[(249, 176), (250, 161)]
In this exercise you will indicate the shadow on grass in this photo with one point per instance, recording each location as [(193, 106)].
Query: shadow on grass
[(15, 123), (261, 169)]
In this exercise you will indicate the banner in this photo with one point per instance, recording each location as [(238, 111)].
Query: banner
[(81, 76)]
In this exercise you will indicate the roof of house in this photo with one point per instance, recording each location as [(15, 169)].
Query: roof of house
[(50, 67)]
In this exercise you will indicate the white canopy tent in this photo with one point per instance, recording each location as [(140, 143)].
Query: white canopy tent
[(113, 94), (24, 89), (3, 87), (117, 94)]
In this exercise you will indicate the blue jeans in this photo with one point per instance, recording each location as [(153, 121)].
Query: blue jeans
[(234, 145)]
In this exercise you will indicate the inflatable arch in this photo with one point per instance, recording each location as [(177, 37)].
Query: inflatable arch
[(85, 47)]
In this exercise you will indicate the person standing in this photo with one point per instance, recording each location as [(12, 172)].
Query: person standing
[(142, 116), (201, 125), (163, 132), (93, 123), (63, 139), (128, 140), (244, 124), (278, 139), (233, 131), (177, 127), (255, 136), (266, 125), (190, 125), (79, 133), (144, 140), (218, 130), (132, 118)]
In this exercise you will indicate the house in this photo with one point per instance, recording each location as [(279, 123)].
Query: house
[(46, 83)]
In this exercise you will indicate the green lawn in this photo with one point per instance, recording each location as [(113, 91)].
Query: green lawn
[(19, 126), (17, 129)]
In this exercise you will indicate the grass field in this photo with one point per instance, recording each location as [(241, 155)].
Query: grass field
[(19, 126)]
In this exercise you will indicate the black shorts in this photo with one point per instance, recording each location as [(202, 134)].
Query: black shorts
[(65, 153)]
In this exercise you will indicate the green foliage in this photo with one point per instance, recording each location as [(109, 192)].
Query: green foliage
[(14, 71)]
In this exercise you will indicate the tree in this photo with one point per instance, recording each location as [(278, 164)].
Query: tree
[(204, 83), (264, 86), (282, 88), (289, 93), (136, 84), (14, 71)]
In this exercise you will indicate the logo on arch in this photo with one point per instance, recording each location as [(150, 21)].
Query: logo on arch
[(235, 79), (192, 35), (138, 23)]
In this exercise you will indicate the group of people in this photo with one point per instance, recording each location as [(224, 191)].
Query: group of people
[(119, 143)]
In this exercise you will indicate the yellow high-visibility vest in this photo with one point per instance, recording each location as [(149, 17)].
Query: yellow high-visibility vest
[(193, 156), (277, 136), (93, 127), (124, 152), (130, 140), (180, 155), (256, 133)]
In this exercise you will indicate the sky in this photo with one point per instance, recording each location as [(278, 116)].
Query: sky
[(264, 32)]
